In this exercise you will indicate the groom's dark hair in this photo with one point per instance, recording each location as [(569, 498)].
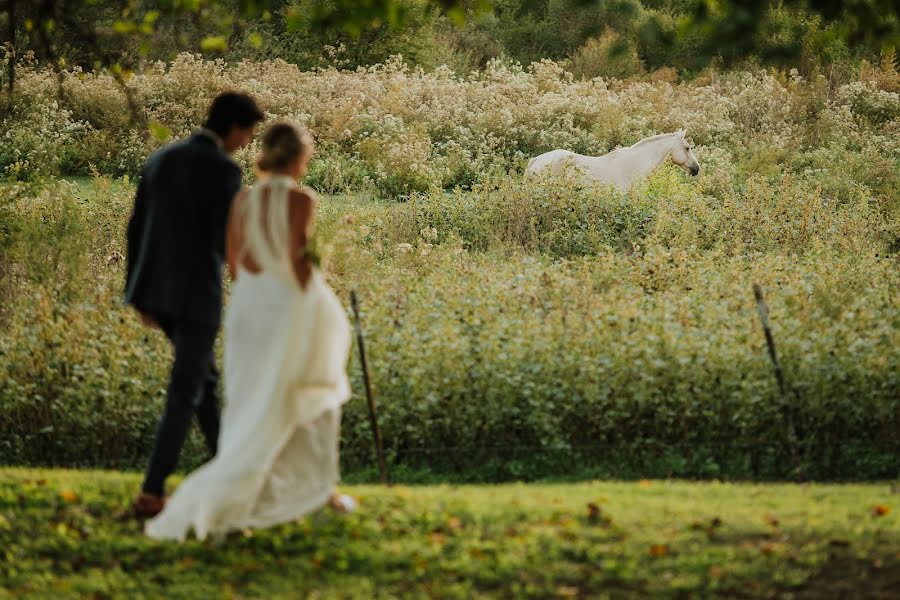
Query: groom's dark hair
[(230, 109)]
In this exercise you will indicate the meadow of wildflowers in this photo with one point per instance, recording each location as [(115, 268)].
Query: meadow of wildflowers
[(516, 329)]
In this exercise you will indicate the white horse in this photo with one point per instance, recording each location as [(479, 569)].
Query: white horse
[(623, 167)]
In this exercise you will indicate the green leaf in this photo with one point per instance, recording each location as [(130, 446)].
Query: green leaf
[(124, 27), (214, 43), (151, 17), (256, 40), (159, 131), (457, 15)]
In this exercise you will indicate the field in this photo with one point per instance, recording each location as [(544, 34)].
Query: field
[(517, 330), (61, 538), (573, 384)]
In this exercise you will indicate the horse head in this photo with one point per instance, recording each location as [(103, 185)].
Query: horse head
[(683, 154)]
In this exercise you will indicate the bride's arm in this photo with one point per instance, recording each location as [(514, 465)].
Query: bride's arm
[(302, 211)]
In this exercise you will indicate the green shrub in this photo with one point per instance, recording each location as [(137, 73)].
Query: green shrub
[(516, 328), (334, 172), (499, 352), (397, 130), (549, 217), (606, 56)]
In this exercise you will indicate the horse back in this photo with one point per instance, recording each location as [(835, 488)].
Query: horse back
[(553, 159)]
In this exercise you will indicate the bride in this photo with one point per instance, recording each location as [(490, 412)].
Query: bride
[(287, 341)]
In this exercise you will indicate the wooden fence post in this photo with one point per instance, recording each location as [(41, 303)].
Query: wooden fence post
[(779, 377), (373, 415)]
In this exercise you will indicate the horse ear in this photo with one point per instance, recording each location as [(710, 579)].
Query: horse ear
[(681, 133)]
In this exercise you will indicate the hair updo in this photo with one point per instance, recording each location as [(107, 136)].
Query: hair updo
[(282, 143)]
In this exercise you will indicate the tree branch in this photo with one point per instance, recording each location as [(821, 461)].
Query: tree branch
[(90, 37), (12, 56)]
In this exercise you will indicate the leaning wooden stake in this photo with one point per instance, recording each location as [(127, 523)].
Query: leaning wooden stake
[(770, 341), (373, 415), (779, 375)]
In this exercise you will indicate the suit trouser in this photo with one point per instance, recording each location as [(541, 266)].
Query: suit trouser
[(192, 389)]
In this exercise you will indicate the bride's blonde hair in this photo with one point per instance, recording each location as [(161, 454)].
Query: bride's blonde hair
[(282, 143)]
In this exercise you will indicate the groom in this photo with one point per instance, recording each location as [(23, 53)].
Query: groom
[(176, 244)]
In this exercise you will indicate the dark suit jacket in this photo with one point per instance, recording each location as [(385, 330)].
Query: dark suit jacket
[(176, 235)]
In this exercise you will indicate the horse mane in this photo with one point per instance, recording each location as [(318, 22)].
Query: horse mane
[(648, 140), (652, 138)]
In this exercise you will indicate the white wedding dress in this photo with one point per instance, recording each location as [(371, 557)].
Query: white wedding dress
[(286, 352)]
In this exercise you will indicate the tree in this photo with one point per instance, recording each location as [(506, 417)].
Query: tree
[(95, 33), (731, 28)]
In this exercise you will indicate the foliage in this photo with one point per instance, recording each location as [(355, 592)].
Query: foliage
[(606, 56), (293, 35), (399, 130), (734, 28), (121, 36), (517, 327), (629, 540)]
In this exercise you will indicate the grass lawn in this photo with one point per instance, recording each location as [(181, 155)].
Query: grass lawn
[(62, 534)]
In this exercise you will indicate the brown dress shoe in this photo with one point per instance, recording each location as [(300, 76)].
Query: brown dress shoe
[(148, 505)]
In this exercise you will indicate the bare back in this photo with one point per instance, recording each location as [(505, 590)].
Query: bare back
[(285, 231)]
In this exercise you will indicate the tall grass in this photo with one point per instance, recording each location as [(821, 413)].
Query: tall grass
[(507, 339)]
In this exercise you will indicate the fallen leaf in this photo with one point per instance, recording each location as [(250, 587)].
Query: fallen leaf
[(644, 483), (880, 510), (658, 550), (454, 523), (715, 572), (567, 591), (768, 548), (772, 520), (69, 496)]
